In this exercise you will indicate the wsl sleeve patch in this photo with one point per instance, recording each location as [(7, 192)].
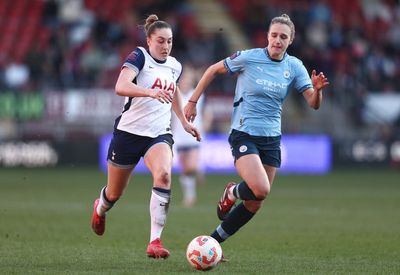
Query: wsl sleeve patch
[(136, 58), (132, 57), (236, 54)]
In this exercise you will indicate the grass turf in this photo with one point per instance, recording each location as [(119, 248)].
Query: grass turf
[(347, 222)]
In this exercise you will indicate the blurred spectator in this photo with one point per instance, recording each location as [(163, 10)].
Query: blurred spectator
[(34, 61), (16, 75), (80, 43), (70, 11), (50, 13)]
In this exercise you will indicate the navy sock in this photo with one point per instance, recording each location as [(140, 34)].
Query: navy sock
[(233, 222), (165, 193), (242, 191), (103, 193), (162, 191)]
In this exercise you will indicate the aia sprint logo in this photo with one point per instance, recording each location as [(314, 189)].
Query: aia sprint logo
[(164, 85)]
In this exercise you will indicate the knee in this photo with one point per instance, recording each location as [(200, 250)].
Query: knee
[(163, 178), (262, 191)]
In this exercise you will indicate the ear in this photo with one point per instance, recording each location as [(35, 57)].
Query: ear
[(291, 40), (148, 41)]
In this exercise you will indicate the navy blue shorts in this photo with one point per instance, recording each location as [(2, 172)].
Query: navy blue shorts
[(268, 148), (126, 149)]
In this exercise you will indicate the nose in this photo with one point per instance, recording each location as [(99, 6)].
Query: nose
[(165, 44)]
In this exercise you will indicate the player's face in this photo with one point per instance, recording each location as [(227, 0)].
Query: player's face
[(279, 39), (160, 43)]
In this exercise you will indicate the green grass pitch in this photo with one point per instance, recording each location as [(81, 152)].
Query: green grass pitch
[(347, 222)]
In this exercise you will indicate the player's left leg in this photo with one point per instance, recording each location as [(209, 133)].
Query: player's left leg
[(159, 161), (251, 170), (244, 212)]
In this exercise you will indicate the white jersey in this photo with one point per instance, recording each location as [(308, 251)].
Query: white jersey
[(145, 116), (181, 137)]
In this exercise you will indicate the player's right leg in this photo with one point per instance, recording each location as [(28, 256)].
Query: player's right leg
[(117, 181), (123, 155)]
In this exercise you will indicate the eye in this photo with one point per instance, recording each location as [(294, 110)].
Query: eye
[(284, 37)]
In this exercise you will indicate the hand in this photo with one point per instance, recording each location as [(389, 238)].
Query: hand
[(192, 130), (319, 81), (190, 111), (162, 95)]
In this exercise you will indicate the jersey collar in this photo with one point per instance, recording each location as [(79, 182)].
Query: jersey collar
[(155, 59), (272, 59)]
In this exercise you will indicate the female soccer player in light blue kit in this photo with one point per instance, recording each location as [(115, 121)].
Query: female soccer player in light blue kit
[(147, 80), (265, 76)]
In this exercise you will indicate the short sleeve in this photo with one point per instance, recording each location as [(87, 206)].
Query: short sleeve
[(302, 79), (235, 63), (135, 60)]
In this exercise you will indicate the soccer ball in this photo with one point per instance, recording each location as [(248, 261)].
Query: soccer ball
[(203, 253)]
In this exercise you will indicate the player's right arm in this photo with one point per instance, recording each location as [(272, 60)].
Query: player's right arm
[(208, 76), (126, 87)]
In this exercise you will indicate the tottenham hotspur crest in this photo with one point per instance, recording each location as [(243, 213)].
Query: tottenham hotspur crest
[(173, 73)]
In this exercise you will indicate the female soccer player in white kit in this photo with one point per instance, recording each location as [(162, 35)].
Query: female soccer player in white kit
[(148, 81), (188, 150)]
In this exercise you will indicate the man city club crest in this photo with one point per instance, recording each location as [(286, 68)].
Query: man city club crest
[(286, 74), (242, 148)]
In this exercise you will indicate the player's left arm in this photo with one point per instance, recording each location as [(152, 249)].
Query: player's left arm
[(313, 95), (177, 106)]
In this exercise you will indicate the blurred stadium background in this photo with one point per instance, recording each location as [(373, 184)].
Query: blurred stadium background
[(59, 60)]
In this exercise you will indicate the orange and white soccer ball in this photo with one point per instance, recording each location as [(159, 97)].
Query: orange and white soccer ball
[(203, 252)]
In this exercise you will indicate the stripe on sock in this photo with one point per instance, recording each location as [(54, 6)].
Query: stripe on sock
[(221, 232), (103, 194)]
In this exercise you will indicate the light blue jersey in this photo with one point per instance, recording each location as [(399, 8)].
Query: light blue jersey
[(261, 87)]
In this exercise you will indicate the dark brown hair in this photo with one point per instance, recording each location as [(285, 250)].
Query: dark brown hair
[(152, 23)]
